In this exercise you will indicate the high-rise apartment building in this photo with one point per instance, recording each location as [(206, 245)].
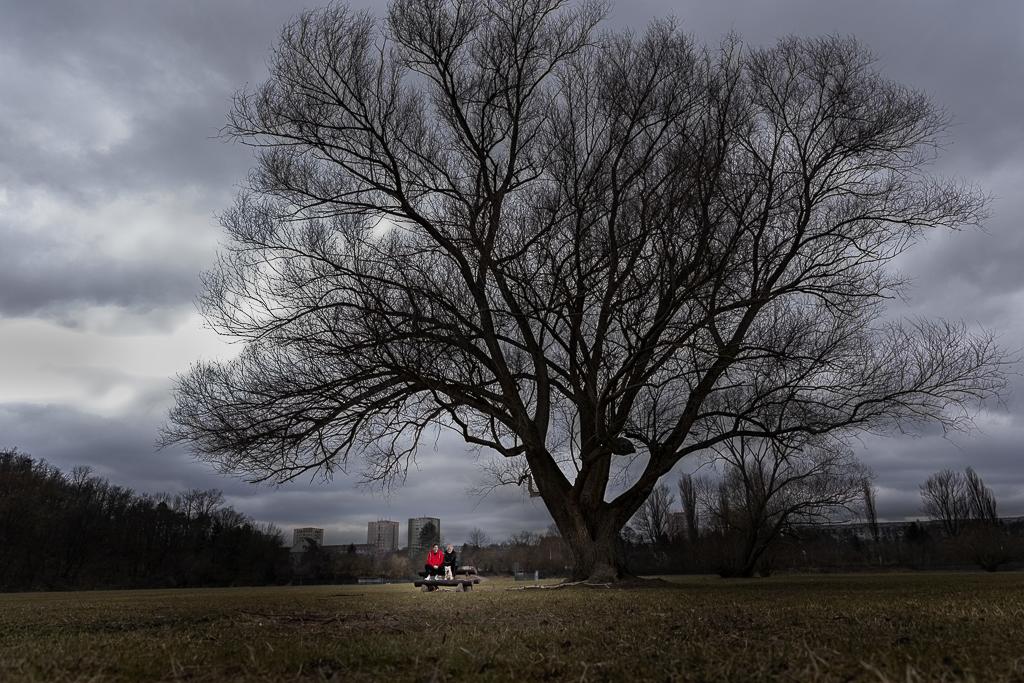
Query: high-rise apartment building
[(423, 531), (382, 535), (299, 537)]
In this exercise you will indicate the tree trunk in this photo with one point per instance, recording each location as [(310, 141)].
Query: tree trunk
[(596, 554), (593, 538), (589, 525), (752, 552)]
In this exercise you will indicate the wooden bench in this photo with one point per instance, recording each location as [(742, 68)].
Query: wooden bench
[(461, 585), (465, 572)]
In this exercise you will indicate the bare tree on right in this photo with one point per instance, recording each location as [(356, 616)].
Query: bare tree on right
[(764, 489), (957, 499)]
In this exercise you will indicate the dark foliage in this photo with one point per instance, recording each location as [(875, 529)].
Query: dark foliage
[(429, 535), (61, 531), (842, 548)]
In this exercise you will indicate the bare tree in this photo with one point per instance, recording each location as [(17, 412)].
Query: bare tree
[(944, 498), (524, 538), (196, 503), (955, 499), (766, 489), (688, 501), (870, 511), (651, 520), (981, 502), (478, 538), (571, 247)]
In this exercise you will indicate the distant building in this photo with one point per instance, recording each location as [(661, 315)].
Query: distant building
[(382, 535), (299, 537), (420, 533), (887, 531)]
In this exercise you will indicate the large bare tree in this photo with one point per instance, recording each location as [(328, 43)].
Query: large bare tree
[(573, 247)]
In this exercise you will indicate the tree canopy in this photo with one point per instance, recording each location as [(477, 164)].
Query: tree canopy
[(572, 246)]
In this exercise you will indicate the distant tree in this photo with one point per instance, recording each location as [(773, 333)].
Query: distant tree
[(651, 520), (870, 511), (955, 499), (688, 501), (764, 490), (478, 538), (397, 566), (981, 502), (196, 503), (229, 518), (314, 562), (944, 499), (77, 530), (966, 509), (80, 476), (429, 535), (524, 538), (571, 247)]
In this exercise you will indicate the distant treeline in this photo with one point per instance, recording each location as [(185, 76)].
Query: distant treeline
[(70, 531), (911, 546)]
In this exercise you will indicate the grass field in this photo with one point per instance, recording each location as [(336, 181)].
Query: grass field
[(899, 627)]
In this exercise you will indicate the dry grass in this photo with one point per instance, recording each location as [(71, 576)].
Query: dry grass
[(900, 627)]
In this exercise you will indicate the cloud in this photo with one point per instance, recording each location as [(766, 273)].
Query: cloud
[(121, 448), (901, 465), (111, 175), (975, 273), (141, 252)]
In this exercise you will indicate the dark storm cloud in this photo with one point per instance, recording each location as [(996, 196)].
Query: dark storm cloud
[(902, 465), (974, 273), (35, 281), (104, 102), (117, 448), (121, 449), (110, 175), (438, 484), (970, 60), (169, 68)]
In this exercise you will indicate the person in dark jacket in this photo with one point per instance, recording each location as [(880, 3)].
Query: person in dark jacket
[(435, 563), (451, 561)]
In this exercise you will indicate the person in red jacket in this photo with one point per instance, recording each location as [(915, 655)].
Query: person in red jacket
[(435, 563)]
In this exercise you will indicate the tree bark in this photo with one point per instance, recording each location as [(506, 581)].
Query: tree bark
[(597, 557), (588, 525)]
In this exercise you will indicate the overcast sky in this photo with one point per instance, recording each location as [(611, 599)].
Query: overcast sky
[(110, 176)]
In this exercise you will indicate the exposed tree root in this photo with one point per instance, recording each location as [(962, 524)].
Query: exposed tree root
[(625, 583), (569, 584)]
